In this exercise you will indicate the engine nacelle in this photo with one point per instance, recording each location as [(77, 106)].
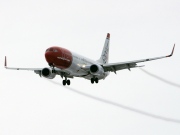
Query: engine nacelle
[(96, 70), (47, 73)]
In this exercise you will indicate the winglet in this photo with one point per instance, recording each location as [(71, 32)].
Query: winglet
[(5, 62), (108, 36), (171, 52)]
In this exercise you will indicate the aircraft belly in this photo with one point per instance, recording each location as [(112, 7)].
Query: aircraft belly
[(75, 69)]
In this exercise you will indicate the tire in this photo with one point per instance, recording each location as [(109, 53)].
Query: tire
[(68, 82), (64, 82), (96, 80), (92, 80)]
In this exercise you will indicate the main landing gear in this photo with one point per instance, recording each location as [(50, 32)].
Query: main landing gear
[(64, 82), (94, 80)]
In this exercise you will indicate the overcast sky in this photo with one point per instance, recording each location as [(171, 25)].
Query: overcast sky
[(127, 103)]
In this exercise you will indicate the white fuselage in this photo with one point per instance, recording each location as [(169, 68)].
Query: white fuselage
[(78, 62)]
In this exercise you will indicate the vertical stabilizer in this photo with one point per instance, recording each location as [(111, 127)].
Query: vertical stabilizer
[(104, 59)]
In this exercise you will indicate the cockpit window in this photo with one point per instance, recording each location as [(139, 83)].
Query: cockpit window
[(55, 50), (51, 50)]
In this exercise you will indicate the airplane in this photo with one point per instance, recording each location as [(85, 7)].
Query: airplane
[(68, 64)]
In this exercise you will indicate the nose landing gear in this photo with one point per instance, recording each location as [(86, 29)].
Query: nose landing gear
[(51, 64), (94, 80)]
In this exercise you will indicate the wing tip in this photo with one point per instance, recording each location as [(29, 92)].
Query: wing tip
[(171, 52), (108, 35), (5, 62)]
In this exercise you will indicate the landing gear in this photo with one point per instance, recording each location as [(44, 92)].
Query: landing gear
[(94, 80), (64, 82), (53, 70), (50, 64), (68, 82)]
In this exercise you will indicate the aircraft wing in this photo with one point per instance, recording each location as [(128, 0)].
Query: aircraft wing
[(38, 70), (113, 67), (14, 68)]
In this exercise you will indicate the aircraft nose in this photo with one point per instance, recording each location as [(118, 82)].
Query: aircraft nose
[(58, 57), (49, 57)]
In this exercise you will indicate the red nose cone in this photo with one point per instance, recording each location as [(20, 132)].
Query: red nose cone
[(49, 57), (58, 57)]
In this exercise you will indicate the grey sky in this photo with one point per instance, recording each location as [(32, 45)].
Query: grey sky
[(139, 29)]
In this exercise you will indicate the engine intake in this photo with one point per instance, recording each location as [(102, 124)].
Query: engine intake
[(47, 73), (96, 69)]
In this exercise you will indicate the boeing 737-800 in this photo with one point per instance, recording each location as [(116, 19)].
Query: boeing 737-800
[(68, 64)]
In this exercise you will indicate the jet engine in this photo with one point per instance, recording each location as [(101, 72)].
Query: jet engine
[(48, 73), (96, 69)]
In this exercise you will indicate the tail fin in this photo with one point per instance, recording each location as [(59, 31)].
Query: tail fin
[(104, 59)]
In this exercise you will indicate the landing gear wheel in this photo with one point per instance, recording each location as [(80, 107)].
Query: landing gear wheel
[(92, 80), (64, 82), (68, 82), (96, 80)]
